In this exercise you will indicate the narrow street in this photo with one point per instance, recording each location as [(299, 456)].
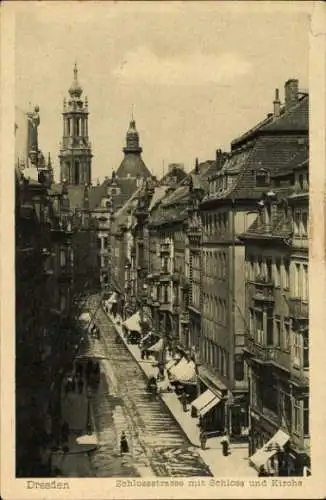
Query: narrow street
[(158, 446)]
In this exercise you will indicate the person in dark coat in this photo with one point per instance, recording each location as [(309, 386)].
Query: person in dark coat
[(80, 385), (262, 472), (124, 446)]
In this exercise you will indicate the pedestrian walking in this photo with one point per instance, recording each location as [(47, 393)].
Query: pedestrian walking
[(65, 432), (183, 399), (80, 385), (225, 445), (202, 439), (124, 446), (262, 472)]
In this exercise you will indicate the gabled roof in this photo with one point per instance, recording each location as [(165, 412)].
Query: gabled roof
[(269, 152), (159, 193), (294, 119)]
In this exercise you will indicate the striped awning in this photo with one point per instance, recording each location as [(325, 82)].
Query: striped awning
[(204, 399), (269, 449)]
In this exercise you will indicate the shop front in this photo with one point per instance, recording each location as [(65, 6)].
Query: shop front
[(211, 405)]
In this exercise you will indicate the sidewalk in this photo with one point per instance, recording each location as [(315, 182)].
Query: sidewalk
[(74, 411), (236, 463)]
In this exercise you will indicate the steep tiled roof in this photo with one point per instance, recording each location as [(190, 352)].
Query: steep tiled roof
[(270, 153), (297, 159), (158, 194), (132, 165), (292, 120)]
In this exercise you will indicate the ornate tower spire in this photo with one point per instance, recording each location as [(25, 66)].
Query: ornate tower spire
[(75, 151), (132, 140)]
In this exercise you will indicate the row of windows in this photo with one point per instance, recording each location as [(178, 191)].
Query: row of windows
[(216, 357), (281, 273), (300, 219), (76, 126), (215, 223), (267, 330), (215, 264), (272, 269), (215, 308), (292, 413)]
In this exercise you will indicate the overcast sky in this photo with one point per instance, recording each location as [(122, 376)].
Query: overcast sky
[(197, 75)]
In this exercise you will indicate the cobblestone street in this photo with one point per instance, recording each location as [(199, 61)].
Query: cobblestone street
[(158, 446)]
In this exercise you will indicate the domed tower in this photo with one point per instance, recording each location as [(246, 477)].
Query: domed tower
[(132, 166), (75, 151)]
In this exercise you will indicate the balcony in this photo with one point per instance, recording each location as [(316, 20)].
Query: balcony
[(269, 354), (263, 289), (165, 248), (298, 308)]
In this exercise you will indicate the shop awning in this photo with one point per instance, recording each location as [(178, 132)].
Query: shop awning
[(113, 299), (269, 449), (133, 323), (204, 399), (171, 363), (184, 372), (214, 402), (156, 347)]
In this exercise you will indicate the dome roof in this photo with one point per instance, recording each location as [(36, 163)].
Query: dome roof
[(75, 89), (132, 166)]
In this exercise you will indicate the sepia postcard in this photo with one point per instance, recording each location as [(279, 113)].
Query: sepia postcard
[(163, 249)]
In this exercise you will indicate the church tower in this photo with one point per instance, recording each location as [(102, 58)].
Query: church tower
[(132, 165), (75, 151)]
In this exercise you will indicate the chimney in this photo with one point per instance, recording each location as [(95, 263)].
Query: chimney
[(277, 104), (291, 91), (220, 158)]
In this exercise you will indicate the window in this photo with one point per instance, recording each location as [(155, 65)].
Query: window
[(269, 269), (297, 280), (304, 224), (305, 342), (267, 214), (262, 178), (251, 269), (301, 182), (296, 350), (286, 274), (270, 329), (270, 395), (286, 334), (222, 361), (297, 222), (259, 327), (278, 331), (251, 322), (277, 268), (99, 243), (296, 416), (63, 260), (286, 410), (239, 367), (305, 282), (77, 172), (62, 302), (306, 417)]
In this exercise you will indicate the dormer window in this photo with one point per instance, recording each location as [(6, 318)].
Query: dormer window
[(262, 178)]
